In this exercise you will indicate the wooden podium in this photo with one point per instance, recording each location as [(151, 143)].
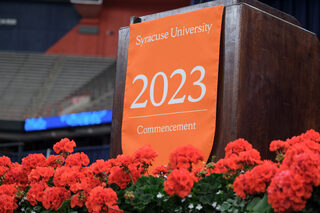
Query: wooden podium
[(269, 76)]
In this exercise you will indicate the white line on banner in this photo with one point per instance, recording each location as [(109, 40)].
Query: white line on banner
[(170, 113)]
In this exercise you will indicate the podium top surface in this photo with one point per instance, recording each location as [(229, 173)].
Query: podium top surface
[(225, 3)]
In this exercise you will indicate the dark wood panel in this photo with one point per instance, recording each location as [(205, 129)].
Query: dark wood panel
[(118, 96), (226, 3), (279, 74), (226, 123), (268, 74)]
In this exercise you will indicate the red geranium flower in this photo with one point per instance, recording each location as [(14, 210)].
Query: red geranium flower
[(78, 199), (225, 165), (35, 193), (100, 199), (161, 171), (55, 161), (236, 147), (144, 155), (53, 197), (65, 146), (77, 159), (255, 180), (121, 177), (8, 203), (32, 161), (16, 175), (250, 157), (288, 192), (3, 170), (278, 145), (183, 157), (179, 182), (41, 174), (8, 189), (100, 167), (5, 161)]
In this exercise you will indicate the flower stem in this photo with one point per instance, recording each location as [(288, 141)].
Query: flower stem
[(115, 209), (131, 178)]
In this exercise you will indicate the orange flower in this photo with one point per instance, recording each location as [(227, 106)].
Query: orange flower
[(66, 176), (41, 174), (250, 157), (8, 203), (306, 164), (288, 192), (32, 161), (3, 170), (5, 161), (8, 189), (184, 157), (237, 146), (35, 193), (227, 164), (161, 171), (55, 161), (179, 182), (312, 135), (197, 173), (78, 199), (16, 175), (7, 198), (53, 197), (64, 146), (145, 155), (239, 186), (122, 178), (100, 167), (123, 161), (278, 145), (100, 199), (77, 159), (255, 180)]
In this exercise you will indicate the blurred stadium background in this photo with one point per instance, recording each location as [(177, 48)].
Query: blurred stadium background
[(57, 68)]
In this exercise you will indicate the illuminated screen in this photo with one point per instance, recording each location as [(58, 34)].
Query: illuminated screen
[(70, 120)]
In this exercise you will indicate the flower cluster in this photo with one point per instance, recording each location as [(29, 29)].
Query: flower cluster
[(290, 182), (298, 173), (65, 146), (255, 180), (179, 182), (239, 156), (8, 197), (66, 181), (126, 169), (183, 157), (102, 199), (50, 182), (181, 178)]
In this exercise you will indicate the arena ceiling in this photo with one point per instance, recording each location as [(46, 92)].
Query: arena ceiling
[(31, 85)]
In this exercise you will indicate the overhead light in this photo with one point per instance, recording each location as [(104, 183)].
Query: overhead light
[(8, 21), (86, 1)]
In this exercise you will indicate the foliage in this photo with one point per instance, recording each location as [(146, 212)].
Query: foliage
[(240, 182)]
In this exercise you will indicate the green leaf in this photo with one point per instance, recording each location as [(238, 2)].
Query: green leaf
[(262, 205), (65, 207), (144, 197), (225, 206), (50, 182), (37, 208), (253, 203)]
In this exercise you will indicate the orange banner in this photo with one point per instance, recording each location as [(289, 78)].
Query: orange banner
[(171, 84)]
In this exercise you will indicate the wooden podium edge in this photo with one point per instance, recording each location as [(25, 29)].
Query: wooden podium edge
[(225, 97)]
